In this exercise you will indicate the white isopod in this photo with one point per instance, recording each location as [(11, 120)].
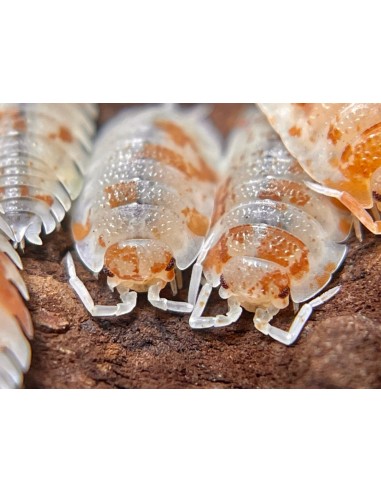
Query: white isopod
[(272, 238), (146, 206), (43, 154)]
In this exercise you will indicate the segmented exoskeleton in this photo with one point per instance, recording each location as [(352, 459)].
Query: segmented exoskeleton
[(272, 237), (146, 205), (43, 153), (339, 146)]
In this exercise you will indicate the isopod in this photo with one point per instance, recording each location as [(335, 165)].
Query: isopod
[(339, 146), (272, 238), (43, 153), (146, 205)]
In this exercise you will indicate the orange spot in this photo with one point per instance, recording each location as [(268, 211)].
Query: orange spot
[(196, 222), (80, 231), (344, 226), (45, 198), (286, 250), (121, 193), (10, 299), (279, 188), (295, 131), (346, 154), (322, 279), (334, 134), (65, 134), (24, 190), (119, 261), (19, 125), (176, 133), (158, 267), (101, 241), (174, 159)]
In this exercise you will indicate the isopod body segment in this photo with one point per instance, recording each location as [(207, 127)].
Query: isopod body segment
[(272, 239), (339, 146)]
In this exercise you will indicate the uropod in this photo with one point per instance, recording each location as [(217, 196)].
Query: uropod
[(146, 205), (272, 238), (339, 146), (43, 154)]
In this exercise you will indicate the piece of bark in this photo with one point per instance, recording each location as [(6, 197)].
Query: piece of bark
[(339, 348)]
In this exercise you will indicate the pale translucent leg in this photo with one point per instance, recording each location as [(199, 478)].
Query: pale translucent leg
[(196, 277), (198, 321), (129, 298), (351, 203), (375, 212), (179, 278), (164, 304), (173, 285), (290, 336), (357, 228)]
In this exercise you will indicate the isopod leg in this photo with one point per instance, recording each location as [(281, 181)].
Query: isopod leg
[(290, 336), (198, 321), (164, 304), (129, 298), (352, 205)]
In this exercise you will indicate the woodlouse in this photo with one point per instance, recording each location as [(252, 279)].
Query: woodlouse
[(339, 146), (43, 153), (145, 209), (272, 238)]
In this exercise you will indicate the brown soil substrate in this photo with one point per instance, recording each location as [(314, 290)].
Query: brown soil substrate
[(339, 348)]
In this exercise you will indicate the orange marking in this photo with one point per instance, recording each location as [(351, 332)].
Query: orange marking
[(121, 193), (101, 241), (346, 154), (295, 131), (24, 190), (119, 261), (19, 125), (286, 250), (45, 198), (196, 222), (322, 279), (80, 231), (65, 134), (174, 159), (277, 189), (11, 300), (334, 134), (176, 133)]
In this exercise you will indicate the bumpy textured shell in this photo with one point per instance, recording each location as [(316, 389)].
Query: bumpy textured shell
[(338, 145), (284, 233), (43, 154), (150, 178), (16, 324)]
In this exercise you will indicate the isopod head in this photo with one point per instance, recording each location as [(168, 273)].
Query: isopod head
[(139, 263), (255, 283)]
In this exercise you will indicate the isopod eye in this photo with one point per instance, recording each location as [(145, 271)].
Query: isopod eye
[(284, 293), (223, 282), (107, 271), (377, 196), (171, 265)]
